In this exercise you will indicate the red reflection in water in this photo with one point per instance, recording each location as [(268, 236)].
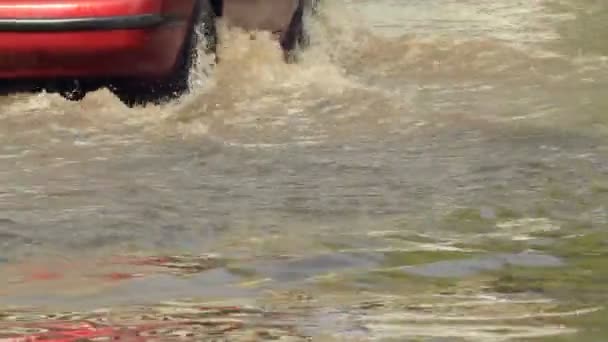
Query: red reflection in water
[(79, 332), (43, 275), (176, 264), (148, 324), (71, 332), (118, 276)]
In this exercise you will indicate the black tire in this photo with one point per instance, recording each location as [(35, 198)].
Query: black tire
[(74, 94), (156, 92), (74, 90), (297, 36)]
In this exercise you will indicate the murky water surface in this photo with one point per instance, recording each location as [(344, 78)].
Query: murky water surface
[(432, 170)]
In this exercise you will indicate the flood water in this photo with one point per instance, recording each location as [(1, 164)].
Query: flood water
[(431, 170)]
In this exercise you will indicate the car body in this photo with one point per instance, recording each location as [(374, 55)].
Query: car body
[(142, 50)]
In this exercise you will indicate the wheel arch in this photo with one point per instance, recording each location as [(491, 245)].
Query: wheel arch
[(218, 7)]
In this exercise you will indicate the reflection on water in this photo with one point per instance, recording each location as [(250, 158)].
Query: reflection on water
[(431, 170)]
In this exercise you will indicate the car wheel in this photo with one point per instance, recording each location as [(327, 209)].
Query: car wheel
[(75, 90), (142, 93), (297, 35)]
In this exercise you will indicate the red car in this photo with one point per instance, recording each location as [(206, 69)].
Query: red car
[(142, 50)]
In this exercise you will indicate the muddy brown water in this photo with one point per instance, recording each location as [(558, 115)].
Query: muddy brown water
[(430, 170)]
